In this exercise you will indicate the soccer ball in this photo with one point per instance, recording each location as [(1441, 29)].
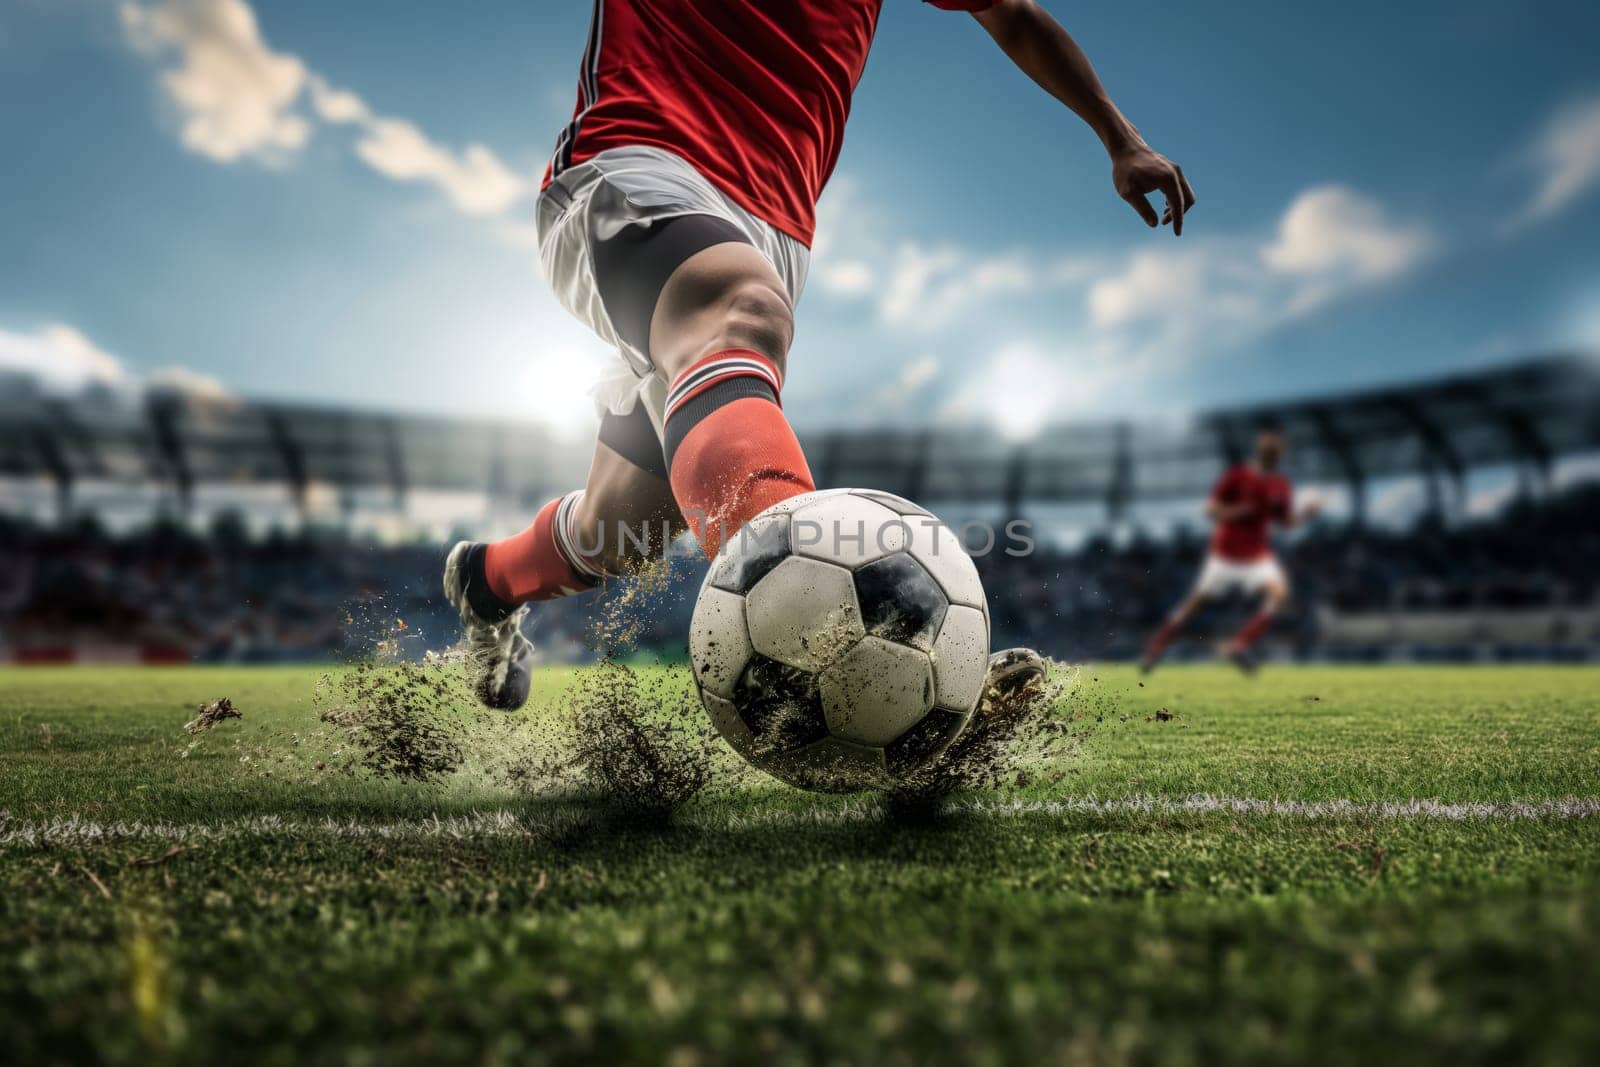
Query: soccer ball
[(841, 640)]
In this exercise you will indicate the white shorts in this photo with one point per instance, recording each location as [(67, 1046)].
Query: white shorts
[(1219, 577), (622, 187)]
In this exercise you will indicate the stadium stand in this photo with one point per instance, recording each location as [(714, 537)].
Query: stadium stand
[(202, 583)]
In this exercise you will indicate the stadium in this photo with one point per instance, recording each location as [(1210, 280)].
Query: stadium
[(261, 800), (221, 489)]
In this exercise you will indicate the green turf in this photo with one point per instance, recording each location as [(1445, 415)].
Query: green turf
[(766, 924)]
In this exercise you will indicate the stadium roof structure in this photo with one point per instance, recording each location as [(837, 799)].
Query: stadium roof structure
[(1525, 415)]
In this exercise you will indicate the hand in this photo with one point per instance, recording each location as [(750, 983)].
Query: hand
[(1138, 170), (1311, 509)]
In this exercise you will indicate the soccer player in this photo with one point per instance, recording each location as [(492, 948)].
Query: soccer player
[(675, 221), (1247, 501)]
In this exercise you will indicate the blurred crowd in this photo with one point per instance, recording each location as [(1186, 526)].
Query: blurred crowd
[(223, 596), (1104, 600)]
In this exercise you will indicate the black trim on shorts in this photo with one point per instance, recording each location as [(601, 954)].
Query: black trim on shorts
[(696, 408), (632, 268), (633, 437)]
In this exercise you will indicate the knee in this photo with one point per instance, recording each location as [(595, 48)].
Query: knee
[(619, 538), (757, 316)]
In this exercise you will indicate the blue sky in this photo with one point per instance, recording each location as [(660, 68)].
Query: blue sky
[(331, 202)]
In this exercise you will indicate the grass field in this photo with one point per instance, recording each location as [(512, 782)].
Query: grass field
[(1333, 865)]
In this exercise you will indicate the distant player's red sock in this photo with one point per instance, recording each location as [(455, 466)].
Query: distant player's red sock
[(543, 561), (730, 452), (1246, 638), (1157, 645)]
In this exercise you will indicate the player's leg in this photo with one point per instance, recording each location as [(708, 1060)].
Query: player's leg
[(719, 338), (623, 515), (1274, 588), (1213, 579), (1169, 630)]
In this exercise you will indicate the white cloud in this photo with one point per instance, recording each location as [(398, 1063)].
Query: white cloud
[(235, 95), (187, 381), (909, 385), (60, 358), (476, 181), (1329, 242), (1153, 284), (849, 278), (1023, 337), (915, 287), (239, 99), (928, 288), (1101, 326), (1565, 160), (336, 106), (1333, 233)]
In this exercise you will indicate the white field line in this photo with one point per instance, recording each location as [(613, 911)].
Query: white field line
[(75, 831)]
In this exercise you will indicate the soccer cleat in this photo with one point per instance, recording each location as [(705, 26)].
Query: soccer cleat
[(499, 659), (1013, 690), (1244, 659), (1014, 687)]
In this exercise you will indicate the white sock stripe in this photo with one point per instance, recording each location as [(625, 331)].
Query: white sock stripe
[(567, 540), (710, 370), (700, 374), (693, 389)]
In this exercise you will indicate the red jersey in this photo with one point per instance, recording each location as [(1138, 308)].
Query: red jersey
[(1269, 498), (754, 94)]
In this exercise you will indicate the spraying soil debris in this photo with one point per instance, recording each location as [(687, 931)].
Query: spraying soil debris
[(394, 721), (1015, 739), (211, 716), (640, 741), (644, 744)]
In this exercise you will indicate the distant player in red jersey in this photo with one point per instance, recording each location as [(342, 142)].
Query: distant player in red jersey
[(1247, 501), (676, 222)]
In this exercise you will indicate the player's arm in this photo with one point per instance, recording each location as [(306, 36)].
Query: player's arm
[(1046, 52), (1220, 510), (1310, 509)]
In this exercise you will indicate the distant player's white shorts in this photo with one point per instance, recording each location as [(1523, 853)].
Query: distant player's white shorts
[(1220, 577), (621, 187)]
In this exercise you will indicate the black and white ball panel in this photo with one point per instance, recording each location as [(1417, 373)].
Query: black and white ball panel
[(898, 504), (939, 550), (876, 691), (719, 640), (780, 705), (751, 554), (804, 613), (847, 529), (841, 640), (900, 601), (961, 657)]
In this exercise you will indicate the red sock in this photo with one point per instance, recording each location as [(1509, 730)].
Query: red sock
[(1252, 631), (730, 452), (542, 562), (1158, 643)]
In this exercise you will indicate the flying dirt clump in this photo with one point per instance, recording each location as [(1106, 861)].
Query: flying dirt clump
[(211, 716), (637, 741), (393, 721), (1015, 739)]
